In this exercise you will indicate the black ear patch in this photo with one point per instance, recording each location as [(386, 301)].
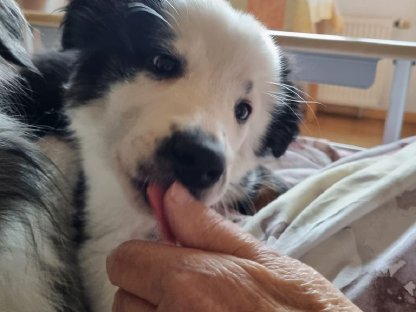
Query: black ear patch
[(116, 40), (260, 186), (41, 105), (12, 29), (91, 23), (86, 21), (284, 126)]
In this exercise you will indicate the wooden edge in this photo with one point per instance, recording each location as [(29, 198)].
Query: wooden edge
[(36, 18), (296, 41), (369, 113), (371, 48)]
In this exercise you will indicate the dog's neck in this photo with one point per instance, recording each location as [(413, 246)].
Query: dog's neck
[(108, 211)]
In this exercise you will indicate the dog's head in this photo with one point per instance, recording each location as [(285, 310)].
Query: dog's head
[(187, 90)]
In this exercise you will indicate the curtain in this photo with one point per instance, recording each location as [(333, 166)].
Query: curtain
[(313, 16)]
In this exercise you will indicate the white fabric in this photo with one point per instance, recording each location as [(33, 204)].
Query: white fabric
[(342, 219)]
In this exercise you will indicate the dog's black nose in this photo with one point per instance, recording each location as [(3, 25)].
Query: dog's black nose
[(196, 159)]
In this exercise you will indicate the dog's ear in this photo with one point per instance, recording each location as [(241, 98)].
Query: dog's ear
[(286, 117), (13, 28), (88, 22), (85, 21)]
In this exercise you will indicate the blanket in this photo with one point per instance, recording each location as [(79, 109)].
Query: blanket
[(351, 218)]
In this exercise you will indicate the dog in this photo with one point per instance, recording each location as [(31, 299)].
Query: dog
[(150, 92), (38, 265)]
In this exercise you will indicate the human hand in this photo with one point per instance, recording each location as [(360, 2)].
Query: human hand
[(217, 268)]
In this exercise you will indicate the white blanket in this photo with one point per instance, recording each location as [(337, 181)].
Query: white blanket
[(354, 222)]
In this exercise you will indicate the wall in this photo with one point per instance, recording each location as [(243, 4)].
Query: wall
[(52, 5), (239, 4), (44, 5), (405, 9), (384, 9)]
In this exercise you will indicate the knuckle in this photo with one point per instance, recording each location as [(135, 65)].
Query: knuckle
[(118, 259), (214, 231), (180, 280), (183, 277)]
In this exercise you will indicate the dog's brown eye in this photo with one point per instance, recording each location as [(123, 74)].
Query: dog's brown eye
[(242, 111), (165, 64)]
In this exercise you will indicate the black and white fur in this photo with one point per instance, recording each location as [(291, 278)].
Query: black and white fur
[(146, 88), (38, 265)]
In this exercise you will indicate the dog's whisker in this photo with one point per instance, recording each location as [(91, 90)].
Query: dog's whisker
[(174, 19), (295, 100), (169, 3), (297, 92), (283, 101), (300, 99), (292, 99), (285, 104), (298, 96), (291, 88)]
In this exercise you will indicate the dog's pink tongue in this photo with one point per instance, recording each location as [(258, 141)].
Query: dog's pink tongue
[(155, 195)]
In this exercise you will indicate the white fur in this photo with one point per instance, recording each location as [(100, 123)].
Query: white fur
[(112, 218), (22, 282), (223, 49)]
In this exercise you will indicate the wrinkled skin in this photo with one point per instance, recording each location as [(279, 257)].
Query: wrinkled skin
[(218, 268)]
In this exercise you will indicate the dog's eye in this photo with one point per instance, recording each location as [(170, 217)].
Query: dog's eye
[(242, 111), (165, 64)]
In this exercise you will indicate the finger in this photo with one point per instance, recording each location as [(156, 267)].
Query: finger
[(145, 269), (125, 302), (195, 226)]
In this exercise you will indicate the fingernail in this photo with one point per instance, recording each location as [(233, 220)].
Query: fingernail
[(110, 259), (179, 194)]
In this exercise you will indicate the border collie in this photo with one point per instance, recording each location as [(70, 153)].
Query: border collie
[(38, 264), (149, 92)]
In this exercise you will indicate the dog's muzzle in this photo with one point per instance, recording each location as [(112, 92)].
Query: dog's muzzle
[(195, 158)]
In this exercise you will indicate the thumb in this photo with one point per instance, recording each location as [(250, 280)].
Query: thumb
[(196, 226)]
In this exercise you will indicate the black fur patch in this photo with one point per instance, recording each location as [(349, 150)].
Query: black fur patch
[(117, 39), (29, 190), (79, 206), (285, 118), (34, 91), (41, 102), (20, 166), (253, 183)]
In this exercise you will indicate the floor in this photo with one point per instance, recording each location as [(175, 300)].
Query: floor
[(349, 130)]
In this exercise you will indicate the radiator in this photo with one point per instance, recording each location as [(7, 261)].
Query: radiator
[(362, 28)]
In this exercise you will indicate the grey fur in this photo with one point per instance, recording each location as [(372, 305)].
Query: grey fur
[(33, 206)]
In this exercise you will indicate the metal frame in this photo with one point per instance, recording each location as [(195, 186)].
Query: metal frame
[(322, 58), (398, 97)]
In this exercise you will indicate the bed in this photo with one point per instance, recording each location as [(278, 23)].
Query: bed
[(350, 215)]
